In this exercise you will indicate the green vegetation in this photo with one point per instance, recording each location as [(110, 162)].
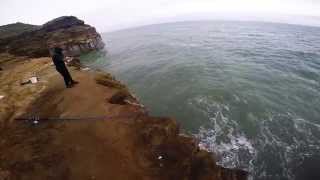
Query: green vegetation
[(15, 29), (108, 80)]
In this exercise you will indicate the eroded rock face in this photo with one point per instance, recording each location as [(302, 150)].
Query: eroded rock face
[(176, 156), (67, 32)]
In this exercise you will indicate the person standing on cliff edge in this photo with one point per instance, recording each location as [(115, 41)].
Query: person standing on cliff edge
[(57, 59)]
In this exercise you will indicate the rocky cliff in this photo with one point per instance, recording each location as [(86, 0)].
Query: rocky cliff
[(67, 32)]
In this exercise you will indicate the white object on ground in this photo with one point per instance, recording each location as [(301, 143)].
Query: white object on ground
[(85, 69), (160, 157), (33, 80), (1, 97), (202, 147), (69, 59), (134, 104)]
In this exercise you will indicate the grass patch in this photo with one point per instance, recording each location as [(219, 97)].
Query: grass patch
[(108, 80)]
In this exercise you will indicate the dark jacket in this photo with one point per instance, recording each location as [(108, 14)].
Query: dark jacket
[(58, 60)]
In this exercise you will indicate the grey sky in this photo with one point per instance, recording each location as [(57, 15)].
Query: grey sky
[(109, 15)]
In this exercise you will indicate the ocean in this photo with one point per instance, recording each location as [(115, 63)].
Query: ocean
[(250, 91)]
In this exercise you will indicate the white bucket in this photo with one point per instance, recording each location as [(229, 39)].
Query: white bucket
[(34, 80)]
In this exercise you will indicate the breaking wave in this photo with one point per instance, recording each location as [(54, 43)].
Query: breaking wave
[(286, 140)]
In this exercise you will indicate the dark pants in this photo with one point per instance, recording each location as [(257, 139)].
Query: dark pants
[(66, 75)]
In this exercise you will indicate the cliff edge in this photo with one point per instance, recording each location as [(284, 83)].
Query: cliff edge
[(96, 130)]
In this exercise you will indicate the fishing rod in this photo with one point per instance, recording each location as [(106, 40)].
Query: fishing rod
[(37, 119)]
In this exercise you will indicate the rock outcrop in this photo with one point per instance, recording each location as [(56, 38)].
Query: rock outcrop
[(67, 32), (15, 29)]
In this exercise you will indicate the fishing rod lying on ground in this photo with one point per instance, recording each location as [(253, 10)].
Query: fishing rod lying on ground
[(36, 119)]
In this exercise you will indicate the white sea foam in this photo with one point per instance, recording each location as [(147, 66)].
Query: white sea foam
[(224, 138), (283, 133)]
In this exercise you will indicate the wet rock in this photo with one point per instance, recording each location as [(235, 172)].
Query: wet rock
[(180, 155), (120, 97)]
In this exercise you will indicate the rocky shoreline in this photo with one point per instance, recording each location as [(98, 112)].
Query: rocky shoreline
[(106, 133)]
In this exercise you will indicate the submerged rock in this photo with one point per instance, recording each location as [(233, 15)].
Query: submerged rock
[(67, 32)]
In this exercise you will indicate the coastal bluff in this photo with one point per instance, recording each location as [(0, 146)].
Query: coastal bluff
[(96, 130), (67, 32)]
